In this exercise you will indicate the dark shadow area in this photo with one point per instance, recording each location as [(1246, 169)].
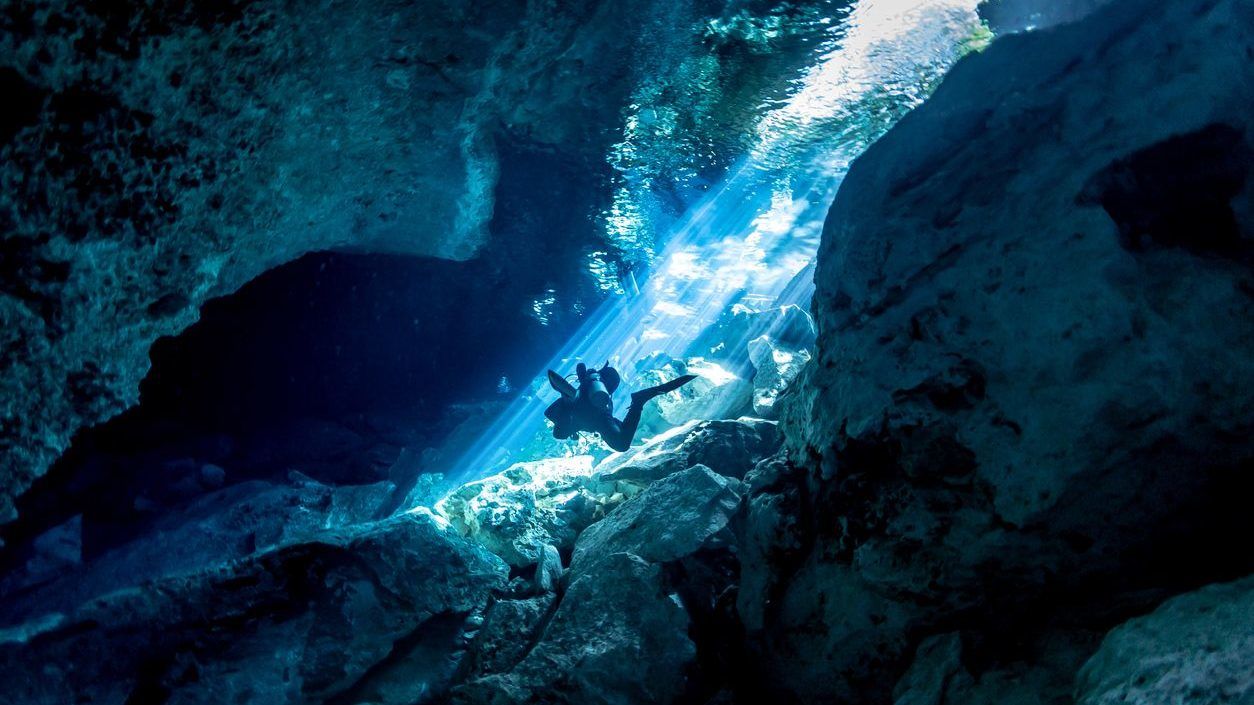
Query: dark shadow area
[(329, 367), (1178, 193)]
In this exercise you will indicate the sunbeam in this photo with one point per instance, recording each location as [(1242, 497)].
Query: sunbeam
[(749, 239)]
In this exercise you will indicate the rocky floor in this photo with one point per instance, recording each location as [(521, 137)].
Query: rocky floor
[(492, 595)]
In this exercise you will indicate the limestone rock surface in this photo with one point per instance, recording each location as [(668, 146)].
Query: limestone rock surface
[(229, 524), (1196, 648), (717, 392), (529, 506), (617, 638), (352, 614), (670, 519), (1031, 305), (727, 447), (775, 366)]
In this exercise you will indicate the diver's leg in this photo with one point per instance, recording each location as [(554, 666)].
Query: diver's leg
[(619, 434), (624, 432), (648, 393)]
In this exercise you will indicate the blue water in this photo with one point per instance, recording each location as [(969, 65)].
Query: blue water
[(749, 237)]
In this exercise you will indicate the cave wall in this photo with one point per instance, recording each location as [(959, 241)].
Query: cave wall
[(1029, 400), (161, 153)]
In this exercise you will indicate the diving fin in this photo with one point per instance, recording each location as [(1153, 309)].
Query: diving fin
[(645, 395), (561, 386)]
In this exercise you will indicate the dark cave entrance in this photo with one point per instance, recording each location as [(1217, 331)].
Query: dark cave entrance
[(344, 368)]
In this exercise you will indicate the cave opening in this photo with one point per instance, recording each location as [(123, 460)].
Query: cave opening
[(342, 368)]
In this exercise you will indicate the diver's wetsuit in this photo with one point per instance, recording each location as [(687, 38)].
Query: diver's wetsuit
[(592, 410)]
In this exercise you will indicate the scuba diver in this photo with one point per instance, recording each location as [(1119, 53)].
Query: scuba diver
[(589, 407)]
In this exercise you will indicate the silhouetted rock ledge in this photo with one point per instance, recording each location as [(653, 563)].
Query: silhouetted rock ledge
[(1029, 413)]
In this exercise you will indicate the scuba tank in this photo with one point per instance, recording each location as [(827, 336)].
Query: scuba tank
[(593, 389)]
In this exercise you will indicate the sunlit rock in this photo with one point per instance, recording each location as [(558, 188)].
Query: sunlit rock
[(519, 512), (1197, 648), (775, 367), (309, 621), (729, 448), (618, 637), (727, 339), (670, 519), (717, 393)]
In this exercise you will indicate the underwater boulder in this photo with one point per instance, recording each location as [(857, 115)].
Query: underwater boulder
[(309, 621), (727, 447), (529, 506), (1033, 321), (1041, 671), (671, 518), (618, 637), (717, 392), (508, 628), (1197, 648), (726, 339), (776, 366), (220, 527)]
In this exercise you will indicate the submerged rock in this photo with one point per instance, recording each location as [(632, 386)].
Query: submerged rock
[(617, 638), (717, 393), (1032, 308), (549, 570), (519, 512), (508, 630), (339, 617), (729, 448), (1197, 648), (727, 339), (670, 519), (1039, 671), (775, 367), (222, 526)]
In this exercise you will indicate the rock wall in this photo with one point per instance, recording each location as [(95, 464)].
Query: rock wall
[(1034, 344), (160, 153)]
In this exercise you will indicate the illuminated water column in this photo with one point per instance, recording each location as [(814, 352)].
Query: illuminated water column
[(749, 237)]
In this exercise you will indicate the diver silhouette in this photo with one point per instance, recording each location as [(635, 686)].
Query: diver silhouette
[(589, 408)]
